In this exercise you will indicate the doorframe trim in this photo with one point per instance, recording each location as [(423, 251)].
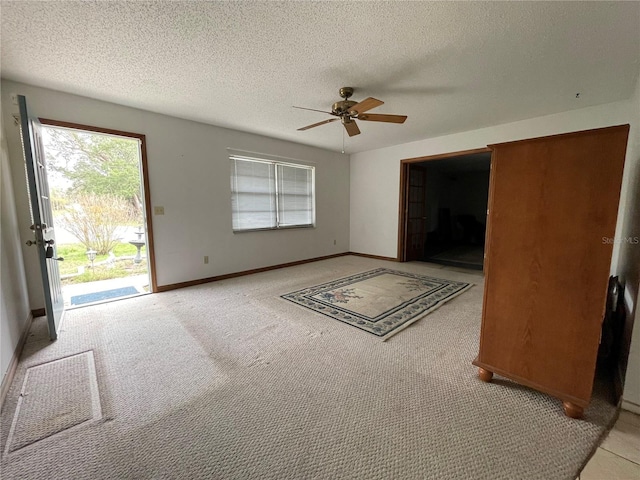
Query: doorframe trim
[(145, 182), (404, 191)]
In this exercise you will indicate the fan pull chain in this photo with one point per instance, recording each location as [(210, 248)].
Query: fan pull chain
[(342, 139)]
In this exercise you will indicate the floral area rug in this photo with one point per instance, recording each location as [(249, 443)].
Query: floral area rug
[(381, 301)]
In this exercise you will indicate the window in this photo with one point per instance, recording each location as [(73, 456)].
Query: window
[(269, 195)]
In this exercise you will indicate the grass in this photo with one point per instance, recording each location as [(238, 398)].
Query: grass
[(75, 255), (121, 268)]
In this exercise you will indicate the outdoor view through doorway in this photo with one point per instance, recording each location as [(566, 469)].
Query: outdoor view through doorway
[(99, 213)]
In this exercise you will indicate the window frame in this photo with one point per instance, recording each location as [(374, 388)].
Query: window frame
[(274, 165)]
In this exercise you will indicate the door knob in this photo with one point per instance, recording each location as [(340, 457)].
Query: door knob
[(49, 254)]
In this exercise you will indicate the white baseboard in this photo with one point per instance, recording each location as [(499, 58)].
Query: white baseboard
[(13, 364), (630, 407)]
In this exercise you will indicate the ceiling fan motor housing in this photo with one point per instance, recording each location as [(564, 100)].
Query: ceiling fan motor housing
[(342, 108)]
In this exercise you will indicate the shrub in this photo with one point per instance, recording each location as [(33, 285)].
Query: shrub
[(93, 219)]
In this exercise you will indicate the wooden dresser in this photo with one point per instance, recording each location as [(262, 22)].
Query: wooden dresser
[(553, 204)]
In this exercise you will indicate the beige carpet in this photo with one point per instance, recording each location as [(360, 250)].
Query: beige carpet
[(230, 381)]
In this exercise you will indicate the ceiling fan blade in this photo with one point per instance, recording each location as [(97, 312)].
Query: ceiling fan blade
[(313, 110), (372, 117), (318, 124), (366, 104), (352, 128)]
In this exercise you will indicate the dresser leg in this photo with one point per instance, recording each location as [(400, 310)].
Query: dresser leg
[(485, 375), (572, 410)]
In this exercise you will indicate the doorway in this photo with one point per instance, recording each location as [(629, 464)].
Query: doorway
[(444, 208), (100, 203)]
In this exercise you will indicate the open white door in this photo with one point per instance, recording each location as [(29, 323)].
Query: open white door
[(42, 217)]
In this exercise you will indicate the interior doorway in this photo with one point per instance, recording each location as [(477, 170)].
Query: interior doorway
[(100, 203), (444, 208)]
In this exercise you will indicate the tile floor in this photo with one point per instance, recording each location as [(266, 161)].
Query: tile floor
[(618, 457)]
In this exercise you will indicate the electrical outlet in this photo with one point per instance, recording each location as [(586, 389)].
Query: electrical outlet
[(158, 210), (334, 242), (206, 259)]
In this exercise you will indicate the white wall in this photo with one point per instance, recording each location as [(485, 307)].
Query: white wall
[(189, 176), (632, 380), (14, 303), (629, 259), (375, 177)]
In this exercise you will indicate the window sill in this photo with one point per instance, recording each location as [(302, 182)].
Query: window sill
[(269, 229)]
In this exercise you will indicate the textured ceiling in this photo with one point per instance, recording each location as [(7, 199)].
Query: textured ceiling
[(449, 66)]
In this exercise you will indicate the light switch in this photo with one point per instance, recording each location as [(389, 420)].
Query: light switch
[(158, 210)]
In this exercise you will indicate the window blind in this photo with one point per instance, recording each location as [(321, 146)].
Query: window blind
[(253, 188), (268, 195), (295, 195)]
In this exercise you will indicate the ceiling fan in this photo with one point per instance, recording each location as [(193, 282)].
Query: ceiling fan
[(349, 111)]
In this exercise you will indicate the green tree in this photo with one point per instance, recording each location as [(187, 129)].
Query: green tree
[(90, 163)]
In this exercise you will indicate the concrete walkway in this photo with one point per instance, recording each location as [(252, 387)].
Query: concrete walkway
[(139, 282)]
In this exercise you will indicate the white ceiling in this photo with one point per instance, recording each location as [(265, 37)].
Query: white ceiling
[(449, 66)]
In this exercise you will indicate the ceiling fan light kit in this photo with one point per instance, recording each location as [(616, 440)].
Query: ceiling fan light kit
[(349, 111)]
